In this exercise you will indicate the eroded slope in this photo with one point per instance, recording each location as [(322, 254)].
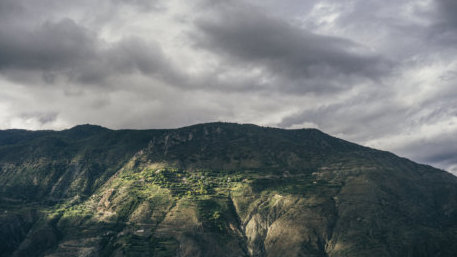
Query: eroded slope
[(218, 190)]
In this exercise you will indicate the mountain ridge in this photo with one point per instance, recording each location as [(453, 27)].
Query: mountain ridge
[(93, 127), (244, 189)]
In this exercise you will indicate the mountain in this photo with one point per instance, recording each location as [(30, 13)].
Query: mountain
[(217, 189)]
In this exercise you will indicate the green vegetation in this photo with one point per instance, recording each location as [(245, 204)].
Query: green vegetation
[(217, 190), (211, 213), (181, 182)]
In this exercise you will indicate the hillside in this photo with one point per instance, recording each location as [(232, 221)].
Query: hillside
[(217, 189)]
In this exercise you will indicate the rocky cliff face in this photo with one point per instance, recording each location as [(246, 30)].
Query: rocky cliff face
[(217, 190)]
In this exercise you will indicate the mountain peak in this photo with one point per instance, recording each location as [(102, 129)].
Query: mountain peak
[(85, 130), (88, 126), (246, 190)]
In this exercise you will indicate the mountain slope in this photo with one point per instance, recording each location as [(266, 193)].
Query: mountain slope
[(217, 189)]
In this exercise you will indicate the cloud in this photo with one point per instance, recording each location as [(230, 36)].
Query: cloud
[(56, 41), (446, 12), (128, 56), (298, 56), (49, 46), (41, 118), (443, 26), (379, 73), (65, 48), (141, 5)]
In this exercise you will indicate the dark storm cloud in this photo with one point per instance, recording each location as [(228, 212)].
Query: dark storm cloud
[(48, 46), (249, 38), (128, 56), (447, 10), (36, 38), (68, 49), (443, 32)]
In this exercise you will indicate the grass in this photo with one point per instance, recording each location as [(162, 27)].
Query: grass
[(181, 183)]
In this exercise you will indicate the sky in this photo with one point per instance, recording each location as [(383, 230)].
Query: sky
[(379, 73)]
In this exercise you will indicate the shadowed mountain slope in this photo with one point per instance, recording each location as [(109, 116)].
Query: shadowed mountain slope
[(217, 189)]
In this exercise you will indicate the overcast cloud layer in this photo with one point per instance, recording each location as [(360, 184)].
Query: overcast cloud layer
[(379, 73)]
